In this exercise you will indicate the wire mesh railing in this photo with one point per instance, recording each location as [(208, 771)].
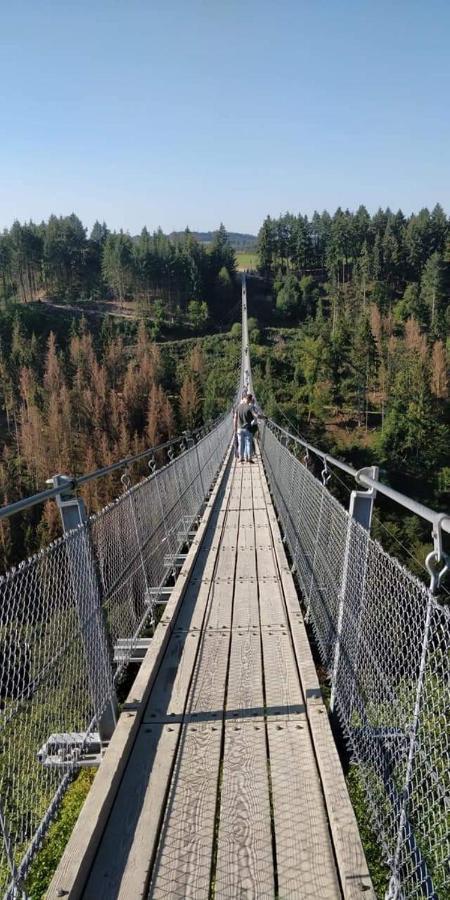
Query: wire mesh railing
[(61, 614), (384, 640)]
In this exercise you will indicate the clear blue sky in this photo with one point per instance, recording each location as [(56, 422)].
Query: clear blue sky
[(175, 112)]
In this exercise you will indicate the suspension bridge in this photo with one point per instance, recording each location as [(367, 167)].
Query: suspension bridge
[(218, 775)]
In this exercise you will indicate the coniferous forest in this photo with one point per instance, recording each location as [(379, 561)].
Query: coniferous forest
[(110, 343)]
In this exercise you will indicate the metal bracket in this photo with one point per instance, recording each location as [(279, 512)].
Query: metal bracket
[(361, 502), (68, 748), (129, 650)]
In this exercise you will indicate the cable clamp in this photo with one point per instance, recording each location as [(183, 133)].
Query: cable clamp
[(437, 562), (325, 473), (126, 481)]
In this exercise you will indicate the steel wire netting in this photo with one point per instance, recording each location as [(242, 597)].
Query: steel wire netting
[(384, 640), (61, 613), (138, 538)]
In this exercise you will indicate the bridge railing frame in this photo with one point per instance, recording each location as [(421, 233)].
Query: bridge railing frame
[(383, 638), (68, 607)]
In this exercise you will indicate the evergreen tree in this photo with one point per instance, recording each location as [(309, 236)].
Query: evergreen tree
[(117, 263), (432, 290)]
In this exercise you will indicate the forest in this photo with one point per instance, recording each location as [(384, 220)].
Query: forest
[(350, 346)]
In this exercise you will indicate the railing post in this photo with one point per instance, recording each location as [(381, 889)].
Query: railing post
[(360, 511), (86, 592)]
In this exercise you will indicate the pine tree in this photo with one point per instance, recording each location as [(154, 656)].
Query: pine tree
[(432, 289), (189, 402)]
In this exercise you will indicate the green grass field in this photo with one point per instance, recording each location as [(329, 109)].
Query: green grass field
[(246, 261)]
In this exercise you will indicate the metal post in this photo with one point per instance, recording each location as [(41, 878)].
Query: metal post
[(360, 511), (199, 470), (86, 592)]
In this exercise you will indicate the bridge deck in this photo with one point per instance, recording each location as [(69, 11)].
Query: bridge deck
[(232, 786)]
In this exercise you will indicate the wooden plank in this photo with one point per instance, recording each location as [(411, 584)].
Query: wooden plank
[(183, 860), (246, 534), (168, 697), (266, 563), (245, 697), (352, 865), (244, 844), (130, 836), (271, 604), (245, 564), (207, 690), (284, 698), (308, 675), (231, 529), (246, 502), (305, 859), (246, 606), (218, 614), (260, 517), (192, 612)]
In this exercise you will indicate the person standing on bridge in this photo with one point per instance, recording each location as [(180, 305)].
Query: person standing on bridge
[(243, 423)]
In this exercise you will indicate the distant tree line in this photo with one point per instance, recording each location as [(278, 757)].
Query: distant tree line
[(57, 259), (401, 262), (364, 361)]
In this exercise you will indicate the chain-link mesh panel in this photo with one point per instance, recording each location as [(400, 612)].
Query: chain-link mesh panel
[(137, 539), (51, 644), (61, 613), (385, 641)]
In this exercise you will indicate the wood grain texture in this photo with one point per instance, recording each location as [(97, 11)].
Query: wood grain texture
[(246, 605), (284, 697), (122, 863), (305, 859), (168, 696), (354, 874), (207, 690), (244, 849), (182, 866), (245, 698), (218, 614), (271, 603)]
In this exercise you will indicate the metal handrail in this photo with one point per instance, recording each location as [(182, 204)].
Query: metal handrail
[(439, 520), (77, 480)]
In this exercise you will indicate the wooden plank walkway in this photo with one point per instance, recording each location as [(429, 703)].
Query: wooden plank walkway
[(232, 786)]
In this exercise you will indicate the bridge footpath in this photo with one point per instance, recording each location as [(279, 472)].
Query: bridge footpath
[(222, 778)]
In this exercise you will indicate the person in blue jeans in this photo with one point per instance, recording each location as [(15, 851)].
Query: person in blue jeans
[(243, 420)]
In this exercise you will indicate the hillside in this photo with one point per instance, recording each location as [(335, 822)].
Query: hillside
[(349, 341)]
